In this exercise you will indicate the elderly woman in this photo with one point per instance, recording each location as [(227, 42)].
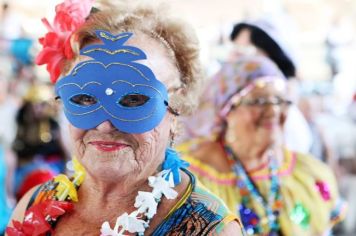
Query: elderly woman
[(275, 191), (121, 92)]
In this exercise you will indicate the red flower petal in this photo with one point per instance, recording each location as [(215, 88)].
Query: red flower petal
[(47, 24), (48, 56), (54, 69), (34, 222), (68, 52), (58, 208), (14, 232)]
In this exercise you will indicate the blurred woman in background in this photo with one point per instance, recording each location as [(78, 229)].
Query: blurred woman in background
[(274, 190), (268, 38)]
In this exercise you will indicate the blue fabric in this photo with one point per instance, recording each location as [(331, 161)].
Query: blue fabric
[(20, 49), (5, 211), (174, 163), (109, 78)]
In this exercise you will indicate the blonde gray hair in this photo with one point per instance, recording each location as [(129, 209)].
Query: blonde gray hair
[(153, 20)]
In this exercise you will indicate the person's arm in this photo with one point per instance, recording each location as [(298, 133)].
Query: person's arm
[(232, 228), (19, 212)]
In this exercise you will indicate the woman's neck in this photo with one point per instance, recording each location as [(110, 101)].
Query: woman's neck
[(107, 202), (112, 198), (256, 157), (121, 189)]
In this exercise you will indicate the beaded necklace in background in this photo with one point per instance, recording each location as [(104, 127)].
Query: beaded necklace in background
[(248, 189)]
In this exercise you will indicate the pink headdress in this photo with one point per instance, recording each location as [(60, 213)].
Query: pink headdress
[(70, 15)]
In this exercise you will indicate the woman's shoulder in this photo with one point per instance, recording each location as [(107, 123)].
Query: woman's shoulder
[(320, 188), (57, 193), (19, 211), (313, 172), (202, 195), (212, 207), (200, 148), (305, 162), (199, 213)]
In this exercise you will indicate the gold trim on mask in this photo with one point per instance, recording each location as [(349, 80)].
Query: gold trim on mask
[(82, 114), (141, 119), (112, 52), (81, 87), (113, 39), (143, 85), (113, 116), (75, 70)]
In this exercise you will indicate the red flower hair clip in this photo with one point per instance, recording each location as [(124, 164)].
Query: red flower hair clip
[(70, 15)]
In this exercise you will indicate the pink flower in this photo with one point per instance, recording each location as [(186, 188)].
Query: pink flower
[(70, 15), (78, 9), (323, 189)]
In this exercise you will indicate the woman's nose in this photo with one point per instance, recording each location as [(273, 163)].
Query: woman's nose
[(106, 127), (271, 110)]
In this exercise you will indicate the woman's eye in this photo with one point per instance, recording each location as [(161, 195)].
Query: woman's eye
[(83, 100), (255, 102), (260, 101), (133, 100)]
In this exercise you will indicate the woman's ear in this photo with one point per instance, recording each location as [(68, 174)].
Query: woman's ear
[(174, 122), (230, 132), (173, 129), (283, 117)]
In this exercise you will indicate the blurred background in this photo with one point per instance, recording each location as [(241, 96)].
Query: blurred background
[(319, 36)]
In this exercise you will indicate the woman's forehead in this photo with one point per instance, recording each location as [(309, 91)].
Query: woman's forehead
[(158, 59), (270, 88)]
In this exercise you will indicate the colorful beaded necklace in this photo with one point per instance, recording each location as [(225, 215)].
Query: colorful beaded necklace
[(248, 189)]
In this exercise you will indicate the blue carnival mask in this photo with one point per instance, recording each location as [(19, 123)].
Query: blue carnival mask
[(113, 87)]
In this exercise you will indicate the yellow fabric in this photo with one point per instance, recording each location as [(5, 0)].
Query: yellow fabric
[(298, 175)]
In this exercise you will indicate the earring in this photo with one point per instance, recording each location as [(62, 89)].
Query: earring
[(230, 136), (172, 141)]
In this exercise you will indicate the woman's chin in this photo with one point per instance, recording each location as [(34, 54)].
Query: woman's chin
[(109, 173), (112, 166)]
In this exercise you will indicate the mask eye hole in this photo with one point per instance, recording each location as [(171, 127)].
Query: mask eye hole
[(133, 100), (83, 100)]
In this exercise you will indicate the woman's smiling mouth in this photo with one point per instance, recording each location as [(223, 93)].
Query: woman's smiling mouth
[(108, 146)]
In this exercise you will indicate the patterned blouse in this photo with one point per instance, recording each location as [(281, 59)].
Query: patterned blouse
[(308, 187), (198, 212)]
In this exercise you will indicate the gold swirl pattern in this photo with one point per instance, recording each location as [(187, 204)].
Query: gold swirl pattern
[(113, 39), (75, 70), (113, 116), (134, 85), (81, 87), (112, 52)]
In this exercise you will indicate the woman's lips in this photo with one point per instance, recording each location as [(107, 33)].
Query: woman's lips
[(107, 146), (269, 124)]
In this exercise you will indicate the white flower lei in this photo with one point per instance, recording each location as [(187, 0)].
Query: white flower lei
[(146, 204)]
